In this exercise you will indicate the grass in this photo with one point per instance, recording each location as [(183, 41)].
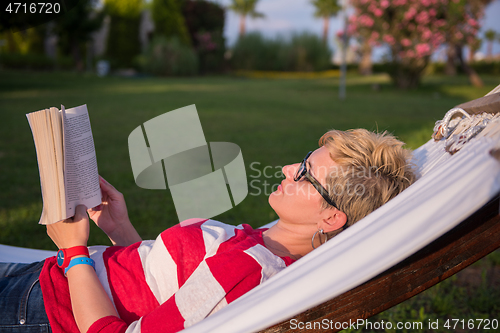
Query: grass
[(274, 121)]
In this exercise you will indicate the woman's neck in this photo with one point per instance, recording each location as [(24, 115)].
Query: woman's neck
[(287, 242)]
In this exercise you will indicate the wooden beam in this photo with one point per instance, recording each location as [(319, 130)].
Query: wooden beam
[(488, 103), (468, 242)]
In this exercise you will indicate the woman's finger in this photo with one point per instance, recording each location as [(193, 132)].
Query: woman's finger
[(109, 189), (80, 213), (97, 208)]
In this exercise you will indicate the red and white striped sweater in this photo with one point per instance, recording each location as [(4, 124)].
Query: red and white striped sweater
[(189, 272)]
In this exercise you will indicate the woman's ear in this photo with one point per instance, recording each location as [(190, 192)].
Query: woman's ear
[(332, 219)]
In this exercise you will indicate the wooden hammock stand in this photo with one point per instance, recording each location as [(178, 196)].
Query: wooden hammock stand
[(465, 244)]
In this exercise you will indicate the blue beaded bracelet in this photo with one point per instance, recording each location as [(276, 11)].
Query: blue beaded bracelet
[(79, 261)]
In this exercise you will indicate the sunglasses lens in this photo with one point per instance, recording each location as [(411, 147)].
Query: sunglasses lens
[(300, 172)]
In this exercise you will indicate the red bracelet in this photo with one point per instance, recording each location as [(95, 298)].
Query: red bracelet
[(64, 255)]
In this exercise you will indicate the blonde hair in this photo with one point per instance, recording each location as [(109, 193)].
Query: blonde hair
[(372, 169)]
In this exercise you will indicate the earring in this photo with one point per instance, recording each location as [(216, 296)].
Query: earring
[(312, 240)]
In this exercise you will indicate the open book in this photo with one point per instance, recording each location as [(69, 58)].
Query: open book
[(66, 161)]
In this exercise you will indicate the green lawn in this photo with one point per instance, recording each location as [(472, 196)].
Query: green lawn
[(275, 122)]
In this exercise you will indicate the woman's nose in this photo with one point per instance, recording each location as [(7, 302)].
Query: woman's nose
[(289, 170)]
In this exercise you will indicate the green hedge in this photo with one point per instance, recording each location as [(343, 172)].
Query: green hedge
[(169, 57), (487, 67), (301, 52), (32, 61)]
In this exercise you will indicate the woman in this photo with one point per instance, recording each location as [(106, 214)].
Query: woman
[(195, 268)]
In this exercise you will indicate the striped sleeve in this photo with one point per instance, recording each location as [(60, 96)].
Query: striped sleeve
[(188, 273), (108, 324)]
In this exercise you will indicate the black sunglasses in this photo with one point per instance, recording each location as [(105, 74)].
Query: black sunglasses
[(303, 172)]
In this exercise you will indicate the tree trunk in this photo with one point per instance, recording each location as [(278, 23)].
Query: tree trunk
[(407, 73), (326, 24), (242, 25), (489, 52), (77, 55), (405, 80), (11, 44), (451, 68), (474, 79), (365, 65), (471, 54)]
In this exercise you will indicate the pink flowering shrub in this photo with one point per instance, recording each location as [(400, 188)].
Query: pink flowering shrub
[(413, 29)]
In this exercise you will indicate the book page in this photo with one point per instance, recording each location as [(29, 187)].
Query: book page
[(80, 165), (47, 135), (58, 172)]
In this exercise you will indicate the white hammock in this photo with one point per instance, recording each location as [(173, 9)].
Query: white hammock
[(450, 189)]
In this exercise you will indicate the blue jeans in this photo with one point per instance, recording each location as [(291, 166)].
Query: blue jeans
[(21, 301)]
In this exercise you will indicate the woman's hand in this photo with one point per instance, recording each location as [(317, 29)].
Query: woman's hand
[(112, 213), (112, 216), (71, 232)]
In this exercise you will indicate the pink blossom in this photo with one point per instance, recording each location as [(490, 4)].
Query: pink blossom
[(374, 37), (405, 42), (366, 20), (389, 39), (427, 34), (440, 23), (410, 13), (422, 49), (437, 39), (459, 35), (351, 30), (472, 22), (432, 12), (384, 4), (409, 54), (422, 18), (378, 12)]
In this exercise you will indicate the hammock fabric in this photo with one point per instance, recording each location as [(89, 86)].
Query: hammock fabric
[(411, 243)]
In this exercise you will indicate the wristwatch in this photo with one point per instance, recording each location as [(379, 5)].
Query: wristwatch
[(79, 261), (64, 255)]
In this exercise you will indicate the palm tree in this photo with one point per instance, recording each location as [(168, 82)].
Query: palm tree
[(326, 9), (245, 8), (490, 36)]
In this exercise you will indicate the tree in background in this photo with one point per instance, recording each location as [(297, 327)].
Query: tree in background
[(245, 8), (123, 44), (413, 29), (325, 9), (205, 24), (28, 41), (490, 35), (75, 29), (169, 21), (462, 26)]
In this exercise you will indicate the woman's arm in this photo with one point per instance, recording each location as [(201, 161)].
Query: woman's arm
[(112, 217), (88, 298)]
